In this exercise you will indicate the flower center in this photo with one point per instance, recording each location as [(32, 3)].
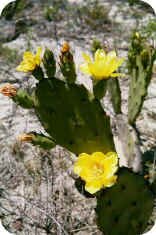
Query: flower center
[(97, 170)]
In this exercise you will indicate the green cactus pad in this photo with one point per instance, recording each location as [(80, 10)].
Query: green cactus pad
[(49, 63), (125, 208), (141, 58), (115, 94), (100, 89), (67, 66), (138, 90), (71, 118)]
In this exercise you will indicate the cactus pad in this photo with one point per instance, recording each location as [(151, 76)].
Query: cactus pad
[(126, 207), (141, 58), (71, 118), (115, 94)]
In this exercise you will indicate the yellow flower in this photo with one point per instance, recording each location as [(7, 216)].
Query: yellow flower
[(97, 170), (30, 61), (103, 65)]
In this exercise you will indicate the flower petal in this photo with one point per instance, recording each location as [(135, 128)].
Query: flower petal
[(110, 164), (27, 55), (118, 75), (99, 55), (98, 156), (110, 181), (39, 51), (85, 69), (115, 63), (86, 57), (81, 163), (38, 56), (93, 187)]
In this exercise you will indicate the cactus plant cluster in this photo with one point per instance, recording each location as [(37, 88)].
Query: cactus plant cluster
[(74, 118)]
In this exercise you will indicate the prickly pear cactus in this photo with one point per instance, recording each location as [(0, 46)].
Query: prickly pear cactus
[(141, 58), (126, 207), (73, 119)]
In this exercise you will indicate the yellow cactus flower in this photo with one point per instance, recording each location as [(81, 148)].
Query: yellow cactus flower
[(8, 90), (103, 66), (30, 61), (97, 170)]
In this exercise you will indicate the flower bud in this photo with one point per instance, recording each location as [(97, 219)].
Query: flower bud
[(137, 35), (65, 47), (67, 64), (25, 137), (145, 57), (8, 90)]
